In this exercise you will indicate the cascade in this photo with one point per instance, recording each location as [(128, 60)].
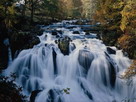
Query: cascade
[(87, 73)]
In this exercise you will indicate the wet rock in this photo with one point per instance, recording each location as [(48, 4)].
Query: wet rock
[(34, 94), (54, 33), (54, 61), (86, 92), (112, 75), (72, 46), (76, 32), (57, 36), (110, 50), (112, 71), (63, 45), (85, 58), (59, 31), (56, 41), (52, 95), (87, 33)]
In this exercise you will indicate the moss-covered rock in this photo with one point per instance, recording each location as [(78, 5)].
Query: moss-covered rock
[(63, 45)]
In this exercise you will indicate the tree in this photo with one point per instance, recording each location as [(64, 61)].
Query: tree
[(7, 12), (52, 7)]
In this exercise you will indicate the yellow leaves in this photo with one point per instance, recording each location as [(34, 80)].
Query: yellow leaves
[(66, 90), (124, 23), (128, 15), (118, 5), (123, 41), (131, 71), (11, 10)]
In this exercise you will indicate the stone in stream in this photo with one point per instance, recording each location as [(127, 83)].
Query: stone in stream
[(52, 93), (34, 94), (111, 51), (112, 75), (54, 61), (112, 71), (59, 31), (76, 32), (54, 32), (86, 91), (63, 45), (85, 59)]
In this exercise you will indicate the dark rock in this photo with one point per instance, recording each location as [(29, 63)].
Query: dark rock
[(34, 94), (112, 70), (85, 58), (112, 75), (59, 31), (87, 33), (63, 45), (110, 50), (86, 92), (54, 33), (56, 41), (76, 32), (52, 95), (89, 95), (54, 61)]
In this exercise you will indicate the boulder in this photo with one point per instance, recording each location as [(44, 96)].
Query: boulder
[(53, 94), (111, 51), (34, 94), (85, 58), (54, 33), (59, 31), (54, 54), (63, 45), (76, 32), (89, 95), (112, 71)]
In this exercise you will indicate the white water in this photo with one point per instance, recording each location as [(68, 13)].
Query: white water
[(87, 73), (6, 42)]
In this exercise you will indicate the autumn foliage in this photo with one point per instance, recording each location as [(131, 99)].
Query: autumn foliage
[(119, 17), (131, 71)]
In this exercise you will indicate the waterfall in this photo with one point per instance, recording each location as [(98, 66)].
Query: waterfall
[(88, 73), (6, 42)]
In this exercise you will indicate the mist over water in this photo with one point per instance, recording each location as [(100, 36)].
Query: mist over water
[(88, 73)]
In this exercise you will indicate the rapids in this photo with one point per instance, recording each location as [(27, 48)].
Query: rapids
[(88, 73)]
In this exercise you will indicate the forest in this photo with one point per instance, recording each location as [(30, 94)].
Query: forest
[(22, 24)]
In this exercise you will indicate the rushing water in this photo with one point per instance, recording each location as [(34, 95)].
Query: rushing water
[(88, 74)]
